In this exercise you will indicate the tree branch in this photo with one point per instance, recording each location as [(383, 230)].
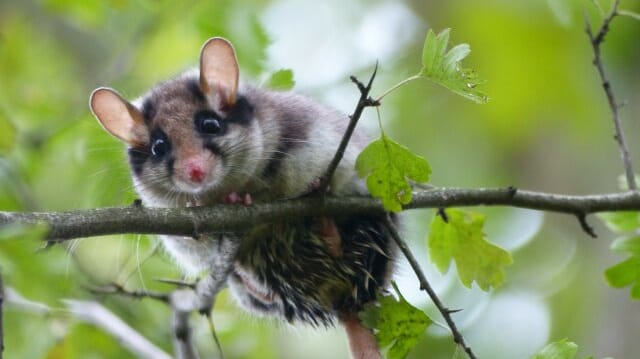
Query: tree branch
[(597, 40), (364, 102), (185, 221), (424, 285)]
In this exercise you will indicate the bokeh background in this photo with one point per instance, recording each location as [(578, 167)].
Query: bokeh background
[(547, 127)]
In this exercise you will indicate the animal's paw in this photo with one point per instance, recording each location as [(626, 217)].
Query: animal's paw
[(235, 198)]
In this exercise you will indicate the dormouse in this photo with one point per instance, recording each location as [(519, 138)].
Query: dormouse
[(205, 138)]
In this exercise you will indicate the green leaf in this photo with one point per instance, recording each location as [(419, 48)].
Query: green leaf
[(396, 323), (627, 272), (388, 166), (461, 239), (621, 221), (460, 353), (627, 244), (624, 273), (444, 68), (281, 80), (561, 349), (7, 135)]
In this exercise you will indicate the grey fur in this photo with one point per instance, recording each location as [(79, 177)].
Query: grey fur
[(272, 145)]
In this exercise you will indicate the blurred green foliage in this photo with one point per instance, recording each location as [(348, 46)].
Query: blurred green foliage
[(442, 65), (388, 167), (546, 127)]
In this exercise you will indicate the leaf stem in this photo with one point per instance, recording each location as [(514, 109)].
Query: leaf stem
[(398, 85), (631, 14)]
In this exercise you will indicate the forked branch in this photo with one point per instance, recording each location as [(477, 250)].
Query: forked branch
[(596, 40)]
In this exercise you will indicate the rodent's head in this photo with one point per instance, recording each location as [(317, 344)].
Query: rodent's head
[(190, 135)]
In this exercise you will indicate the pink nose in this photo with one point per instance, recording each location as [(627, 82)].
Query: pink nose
[(196, 174)]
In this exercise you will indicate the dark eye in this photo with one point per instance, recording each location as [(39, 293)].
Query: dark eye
[(159, 147), (210, 126)]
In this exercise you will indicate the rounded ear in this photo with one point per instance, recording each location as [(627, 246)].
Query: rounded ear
[(117, 116), (219, 71)]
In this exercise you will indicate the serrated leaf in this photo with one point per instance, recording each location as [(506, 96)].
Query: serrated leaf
[(621, 222), (388, 167), (561, 349), (444, 68), (7, 135), (624, 273), (397, 324), (434, 49), (281, 80), (462, 240)]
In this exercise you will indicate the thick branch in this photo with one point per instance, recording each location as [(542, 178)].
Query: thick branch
[(99, 316), (596, 40), (196, 220)]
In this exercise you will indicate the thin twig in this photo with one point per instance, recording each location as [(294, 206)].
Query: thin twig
[(424, 285), (596, 41), (135, 294), (364, 102)]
